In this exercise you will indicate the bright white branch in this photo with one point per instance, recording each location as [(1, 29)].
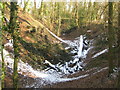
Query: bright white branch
[(98, 54)]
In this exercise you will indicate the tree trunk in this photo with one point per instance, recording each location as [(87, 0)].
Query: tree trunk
[(110, 36), (3, 67), (41, 9), (34, 11), (25, 5), (1, 45), (13, 28), (118, 42), (59, 20), (35, 5), (77, 14)]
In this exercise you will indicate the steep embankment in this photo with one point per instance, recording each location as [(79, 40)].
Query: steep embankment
[(37, 43)]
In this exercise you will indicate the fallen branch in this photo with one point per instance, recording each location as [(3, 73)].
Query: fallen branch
[(56, 36)]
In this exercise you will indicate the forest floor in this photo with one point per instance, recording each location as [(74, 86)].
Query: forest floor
[(98, 74)]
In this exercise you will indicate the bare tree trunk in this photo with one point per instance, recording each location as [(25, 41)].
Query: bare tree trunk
[(41, 9), (3, 66), (2, 46), (59, 20), (76, 14), (118, 42), (13, 28), (34, 13), (25, 5), (110, 36), (34, 4)]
